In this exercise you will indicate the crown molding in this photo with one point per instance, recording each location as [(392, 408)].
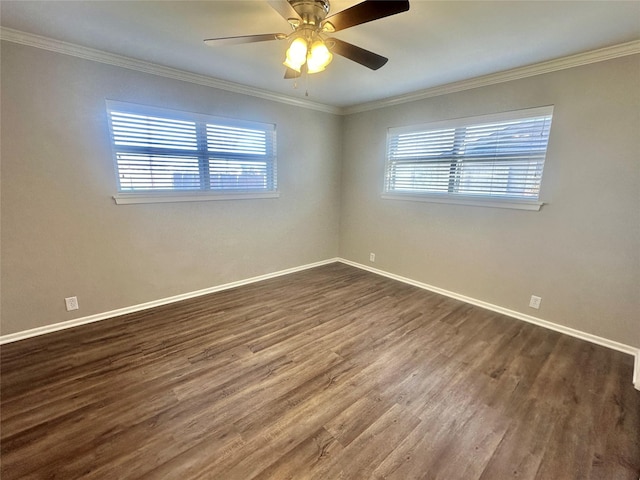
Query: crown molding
[(594, 56), (66, 48)]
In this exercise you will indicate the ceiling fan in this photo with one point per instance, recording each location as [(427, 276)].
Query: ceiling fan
[(310, 49)]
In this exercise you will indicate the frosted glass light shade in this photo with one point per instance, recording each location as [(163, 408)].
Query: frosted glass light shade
[(319, 57), (296, 54)]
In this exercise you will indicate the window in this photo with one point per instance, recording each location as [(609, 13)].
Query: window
[(167, 155), (495, 160)]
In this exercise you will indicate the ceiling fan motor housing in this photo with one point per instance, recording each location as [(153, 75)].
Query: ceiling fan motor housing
[(312, 12)]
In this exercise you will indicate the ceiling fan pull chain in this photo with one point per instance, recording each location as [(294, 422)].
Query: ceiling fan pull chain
[(306, 81)]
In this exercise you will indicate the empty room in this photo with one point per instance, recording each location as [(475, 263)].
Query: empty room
[(312, 239)]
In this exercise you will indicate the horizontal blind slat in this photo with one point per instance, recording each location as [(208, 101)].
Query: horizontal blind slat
[(496, 158), (180, 150)]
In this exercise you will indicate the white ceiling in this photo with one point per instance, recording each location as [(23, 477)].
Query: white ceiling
[(432, 44)]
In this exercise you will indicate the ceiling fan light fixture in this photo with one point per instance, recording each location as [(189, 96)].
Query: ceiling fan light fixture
[(319, 57), (310, 51), (296, 54)]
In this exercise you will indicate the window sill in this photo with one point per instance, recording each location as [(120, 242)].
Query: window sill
[(472, 201), (170, 197)]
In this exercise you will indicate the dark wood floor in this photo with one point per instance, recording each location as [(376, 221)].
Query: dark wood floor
[(331, 373)]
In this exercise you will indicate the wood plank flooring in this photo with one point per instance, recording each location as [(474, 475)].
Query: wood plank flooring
[(331, 373)]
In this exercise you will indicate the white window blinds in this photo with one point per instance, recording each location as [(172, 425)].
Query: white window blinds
[(157, 150), (495, 156)]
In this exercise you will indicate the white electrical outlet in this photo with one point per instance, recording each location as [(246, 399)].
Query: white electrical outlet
[(535, 302), (372, 257), (71, 303)]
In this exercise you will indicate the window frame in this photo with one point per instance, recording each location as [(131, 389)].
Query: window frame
[(450, 197), (205, 192)]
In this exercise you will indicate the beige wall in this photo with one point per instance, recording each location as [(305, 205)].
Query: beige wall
[(580, 253), (62, 233)]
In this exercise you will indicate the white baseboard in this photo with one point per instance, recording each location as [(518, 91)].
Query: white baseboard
[(14, 337), (34, 332), (517, 315)]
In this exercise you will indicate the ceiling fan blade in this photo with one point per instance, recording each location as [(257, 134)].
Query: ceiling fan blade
[(291, 73), (284, 8), (364, 12), (215, 42), (359, 55)]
